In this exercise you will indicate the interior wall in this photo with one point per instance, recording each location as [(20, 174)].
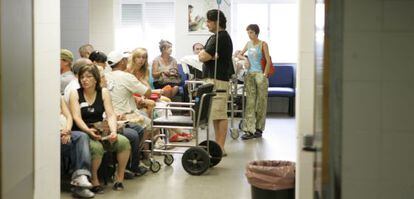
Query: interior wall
[(74, 24), (378, 99), (46, 98), (17, 111), (102, 24), (184, 40), (305, 92)]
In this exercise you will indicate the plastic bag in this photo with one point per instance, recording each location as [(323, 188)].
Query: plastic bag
[(271, 175)]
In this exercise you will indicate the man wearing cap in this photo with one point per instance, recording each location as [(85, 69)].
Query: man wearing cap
[(122, 85), (66, 74)]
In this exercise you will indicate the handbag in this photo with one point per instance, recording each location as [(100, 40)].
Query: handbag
[(172, 77), (263, 63)]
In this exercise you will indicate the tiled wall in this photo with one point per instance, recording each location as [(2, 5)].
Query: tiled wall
[(46, 99), (74, 24), (378, 99)]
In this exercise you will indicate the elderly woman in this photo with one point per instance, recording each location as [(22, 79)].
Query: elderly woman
[(165, 70), (88, 104)]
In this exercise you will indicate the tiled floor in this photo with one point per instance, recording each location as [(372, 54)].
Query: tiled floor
[(226, 180)]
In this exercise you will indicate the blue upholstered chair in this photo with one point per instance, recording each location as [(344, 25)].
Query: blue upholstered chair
[(282, 84)]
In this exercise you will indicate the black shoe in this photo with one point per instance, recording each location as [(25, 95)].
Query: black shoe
[(247, 136), (258, 133), (128, 175), (118, 186), (97, 189), (140, 171)]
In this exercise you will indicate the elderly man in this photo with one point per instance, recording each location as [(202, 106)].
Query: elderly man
[(66, 74)]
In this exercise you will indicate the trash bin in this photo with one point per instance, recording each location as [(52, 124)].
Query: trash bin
[(271, 179)]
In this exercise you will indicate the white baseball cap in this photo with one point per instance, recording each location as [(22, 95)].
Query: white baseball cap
[(115, 57)]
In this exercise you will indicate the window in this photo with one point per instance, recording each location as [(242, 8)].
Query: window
[(144, 24), (278, 24)]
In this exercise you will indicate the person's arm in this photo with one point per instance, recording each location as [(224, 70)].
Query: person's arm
[(110, 114), (134, 85), (77, 117), (204, 56), (65, 133), (267, 57), (155, 73), (241, 54)]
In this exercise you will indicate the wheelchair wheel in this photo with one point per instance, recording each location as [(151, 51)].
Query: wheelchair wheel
[(215, 152), (168, 159), (234, 133), (195, 161), (155, 166)]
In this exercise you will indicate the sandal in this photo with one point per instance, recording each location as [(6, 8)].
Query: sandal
[(97, 189), (118, 186)]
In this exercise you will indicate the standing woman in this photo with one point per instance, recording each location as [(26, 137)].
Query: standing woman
[(256, 84), (87, 104), (165, 67), (224, 71)]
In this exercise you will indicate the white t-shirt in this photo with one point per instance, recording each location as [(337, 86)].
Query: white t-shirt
[(73, 85), (121, 86)]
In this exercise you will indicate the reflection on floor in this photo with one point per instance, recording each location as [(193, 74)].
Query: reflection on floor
[(226, 180)]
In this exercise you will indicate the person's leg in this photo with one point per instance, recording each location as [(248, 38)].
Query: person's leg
[(123, 149), (133, 139), (261, 102), (249, 112), (174, 91), (97, 152), (81, 154), (220, 129)]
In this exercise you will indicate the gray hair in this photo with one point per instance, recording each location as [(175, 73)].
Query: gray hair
[(79, 63), (163, 44)]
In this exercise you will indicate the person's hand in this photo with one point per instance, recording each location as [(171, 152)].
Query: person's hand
[(121, 117), (94, 133), (113, 137), (64, 138)]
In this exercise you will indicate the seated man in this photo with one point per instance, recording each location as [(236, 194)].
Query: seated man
[(122, 85), (75, 145), (192, 67)]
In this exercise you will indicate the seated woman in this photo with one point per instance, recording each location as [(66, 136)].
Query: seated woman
[(87, 105), (165, 70), (139, 68), (75, 145)]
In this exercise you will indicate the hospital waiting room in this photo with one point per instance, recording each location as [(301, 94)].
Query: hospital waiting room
[(206, 99)]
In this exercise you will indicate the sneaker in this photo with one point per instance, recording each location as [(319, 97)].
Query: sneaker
[(146, 162), (140, 171), (258, 133), (81, 181), (118, 186), (81, 192), (247, 136)]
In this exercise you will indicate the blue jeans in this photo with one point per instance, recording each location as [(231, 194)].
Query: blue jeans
[(134, 133), (78, 151)]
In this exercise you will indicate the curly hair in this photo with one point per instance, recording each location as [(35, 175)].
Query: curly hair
[(163, 44)]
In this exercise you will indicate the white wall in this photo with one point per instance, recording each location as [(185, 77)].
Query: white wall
[(102, 24), (378, 100), (74, 24), (305, 92), (184, 40), (46, 99)]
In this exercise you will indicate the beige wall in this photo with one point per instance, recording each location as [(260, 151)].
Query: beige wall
[(102, 24), (378, 99), (46, 98), (305, 98)]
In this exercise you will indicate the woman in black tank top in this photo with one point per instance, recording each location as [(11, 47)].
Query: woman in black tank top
[(87, 105)]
